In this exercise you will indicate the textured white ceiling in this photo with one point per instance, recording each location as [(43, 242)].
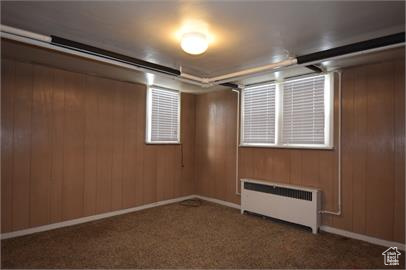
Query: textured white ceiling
[(246, 33)]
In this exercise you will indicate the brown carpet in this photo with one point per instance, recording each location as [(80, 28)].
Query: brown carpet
[(176, 236)]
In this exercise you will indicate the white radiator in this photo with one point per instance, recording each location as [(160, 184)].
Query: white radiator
[(286, 202)]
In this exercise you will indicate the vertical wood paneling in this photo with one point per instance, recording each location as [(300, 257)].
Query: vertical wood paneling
[(57, 141), (359, 151), (373, 139), (214, 123), (22, 146), (380, 162), (281, 165), (150, 174), (201, 147), (215, 145), (73, 145), (187, 183), (118, 130), (220, 157), (327, 182), (167, 164), (140, 98), (162, 176), (177, 171), (230, 137), (90, 144), (399, 100), (129, 154), (260, 162), (104, 145), (74, 126), (105, 148), (296, 167), (41, 152), (245, 166), (7, 136), (310, 168)]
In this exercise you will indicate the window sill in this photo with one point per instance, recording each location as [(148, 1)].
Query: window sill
[(304, 147), (162, 143)]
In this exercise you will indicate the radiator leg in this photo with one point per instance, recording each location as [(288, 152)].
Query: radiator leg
[(314, 230)]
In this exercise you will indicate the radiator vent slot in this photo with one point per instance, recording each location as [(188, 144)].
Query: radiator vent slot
[(281, 191)]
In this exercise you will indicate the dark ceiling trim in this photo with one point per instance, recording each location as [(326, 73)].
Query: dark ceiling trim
[(353, 48), (315, 68), (73, 45), (308, 58), (119, 57), (231, 85)]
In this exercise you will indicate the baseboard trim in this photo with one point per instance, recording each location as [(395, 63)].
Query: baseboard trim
[(91, 218), (72, 222), (229, 204), (362, 237)]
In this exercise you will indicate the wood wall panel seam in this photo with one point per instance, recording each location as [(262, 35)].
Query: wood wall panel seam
[(74, 130), (358, 137)]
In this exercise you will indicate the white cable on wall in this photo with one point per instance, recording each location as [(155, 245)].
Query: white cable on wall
[(237, 192), (338, 212)]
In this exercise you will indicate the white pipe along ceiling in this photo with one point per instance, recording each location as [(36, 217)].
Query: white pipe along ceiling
[(86, 51)]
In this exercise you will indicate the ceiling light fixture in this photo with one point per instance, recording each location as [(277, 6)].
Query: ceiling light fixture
[(194, 43)]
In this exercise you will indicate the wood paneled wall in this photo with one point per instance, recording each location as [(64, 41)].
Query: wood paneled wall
[(73, 146), (373, 150), (216, 145)]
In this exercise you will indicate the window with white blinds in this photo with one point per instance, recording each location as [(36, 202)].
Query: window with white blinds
[(258, 121), (163, 115), (303, 116), (293, 113)]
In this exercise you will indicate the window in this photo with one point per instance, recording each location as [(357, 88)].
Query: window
[(163, 115), (304, 112), (259, 115), (294, 113)]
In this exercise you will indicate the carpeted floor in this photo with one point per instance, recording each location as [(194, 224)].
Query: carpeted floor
[(177, 236)]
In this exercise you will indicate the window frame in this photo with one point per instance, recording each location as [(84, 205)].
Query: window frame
[(148, 121), (242, 119), (328, 119)]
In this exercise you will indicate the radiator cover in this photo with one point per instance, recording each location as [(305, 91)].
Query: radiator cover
[(295, 204)]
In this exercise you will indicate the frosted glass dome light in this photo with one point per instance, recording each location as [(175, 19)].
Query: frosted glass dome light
[(194, 43)]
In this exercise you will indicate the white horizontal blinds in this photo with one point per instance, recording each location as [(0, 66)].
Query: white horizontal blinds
[(303, 113), (164, 115), (259, 114)]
